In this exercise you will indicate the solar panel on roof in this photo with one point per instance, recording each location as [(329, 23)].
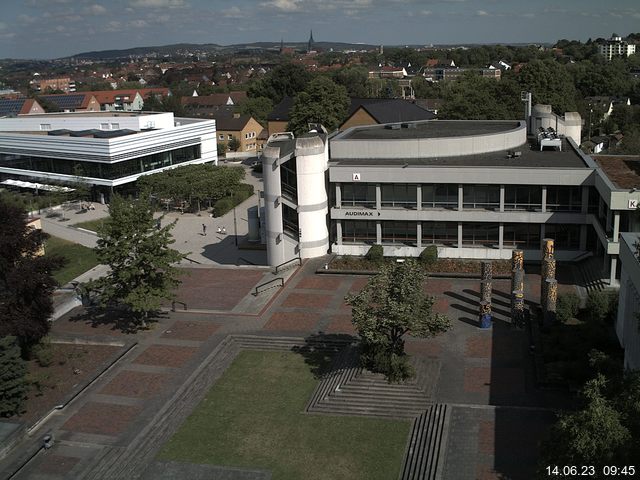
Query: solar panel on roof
[(65, 101), (11, 107)]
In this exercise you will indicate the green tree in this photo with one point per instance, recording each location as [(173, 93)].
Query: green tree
[(13, 383), (234, 144), (171, 103), (392, 304), (26, 284), (594, 435), (285, 80), (142, 264), (82, 190), (550, 84), (322, 102), (354, 79), (258, 108)]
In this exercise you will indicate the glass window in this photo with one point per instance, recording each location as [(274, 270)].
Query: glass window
[(440, 196), (481, 196), (440, 233), (359, 195), (566, 236), (521, 235), (289, 180), (523, 197), (358, 231), (485, 234), (564, 199), (399, 195), (290, 221), (399, 232)]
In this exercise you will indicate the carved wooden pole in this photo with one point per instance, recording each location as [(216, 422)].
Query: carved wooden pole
[(518, 308), (552, 297)]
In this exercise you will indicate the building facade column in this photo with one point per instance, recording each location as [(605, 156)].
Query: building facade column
[(378, 196), (459, 235), (612, 273), (585, 200), (616, 226), (339, 232), (583, 237), (500, 236), (460, 197), (419, 197), (544, 199), (379, 232), (502, 198), (338, 195), (542, 233), (419, 234)]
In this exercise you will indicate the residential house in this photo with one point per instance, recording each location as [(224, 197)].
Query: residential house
[(65, 84), (375, 111), (242, 127), (19, 106), (73, 102)]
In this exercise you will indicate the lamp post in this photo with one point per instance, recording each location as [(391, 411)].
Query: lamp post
[(235, 226)]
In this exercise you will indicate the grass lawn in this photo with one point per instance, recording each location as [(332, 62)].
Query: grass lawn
[(252, 418), (90, 224), (79, 258)]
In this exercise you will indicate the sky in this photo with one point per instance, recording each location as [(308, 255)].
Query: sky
[(59, 28)]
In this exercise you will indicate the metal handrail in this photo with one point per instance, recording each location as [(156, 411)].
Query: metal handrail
[(245, 260), (256, 292), (296, 259), (173, 305)]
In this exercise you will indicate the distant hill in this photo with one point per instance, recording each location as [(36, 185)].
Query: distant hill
[(212, 47)]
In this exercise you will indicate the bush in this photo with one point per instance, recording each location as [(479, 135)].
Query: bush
[(13, 382), (568, 306), (429, 255), (225, 204), (602, 306), (375, 254), (43, 353), (379, 359)]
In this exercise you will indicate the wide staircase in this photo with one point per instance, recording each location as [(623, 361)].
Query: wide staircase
[(590, 274)]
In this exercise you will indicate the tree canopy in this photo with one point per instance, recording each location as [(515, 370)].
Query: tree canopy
[(285, 80), (322, 102), (142, 264), (550, 84), (192, 184), (26, 284), (258, 108), (392, 304)]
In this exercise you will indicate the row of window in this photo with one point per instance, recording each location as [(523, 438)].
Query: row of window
[(107, 171), (516, 197), (520, 235)]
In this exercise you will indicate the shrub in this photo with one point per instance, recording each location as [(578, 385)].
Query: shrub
[(429, 255), (43, 353), (602, 306), (13, 382), (568, 306), (375, 254), (239, 195)]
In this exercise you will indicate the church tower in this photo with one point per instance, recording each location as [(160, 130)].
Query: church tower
[(310, 44)]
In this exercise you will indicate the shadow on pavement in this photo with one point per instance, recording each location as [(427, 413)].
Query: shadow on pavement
[(320, 350), (225, 252), (116, 318)]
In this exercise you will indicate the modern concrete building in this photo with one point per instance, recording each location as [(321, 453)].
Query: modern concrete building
[(615, 47), (628, 322), (111, 150), (476, 189)]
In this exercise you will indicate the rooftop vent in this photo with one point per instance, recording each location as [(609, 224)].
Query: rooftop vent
[(393, 126), (408, 125)]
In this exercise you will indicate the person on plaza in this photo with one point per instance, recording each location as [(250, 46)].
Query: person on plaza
[(204, 230), (219, 230), (224, 231)]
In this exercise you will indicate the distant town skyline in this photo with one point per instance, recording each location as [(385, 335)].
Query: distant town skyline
[(59, 28)]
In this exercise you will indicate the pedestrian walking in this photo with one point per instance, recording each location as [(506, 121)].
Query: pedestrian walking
[(224, 231), (204, 230), (219, 230)]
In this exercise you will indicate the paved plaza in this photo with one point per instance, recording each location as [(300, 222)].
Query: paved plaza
[(484, 376)]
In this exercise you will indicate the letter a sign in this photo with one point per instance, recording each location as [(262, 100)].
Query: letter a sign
[(355, 177)]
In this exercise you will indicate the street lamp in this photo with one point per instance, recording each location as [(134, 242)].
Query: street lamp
[(235, 226)]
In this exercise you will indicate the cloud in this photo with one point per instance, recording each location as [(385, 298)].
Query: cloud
[(27, 19), (3, 26), (426, 12), (233, 12), (158, 3), (139, 23), (482, 13), (113, 26), (95, 9), (283, 5)]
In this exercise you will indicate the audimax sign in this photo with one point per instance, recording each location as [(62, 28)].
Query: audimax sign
[(361, 213)]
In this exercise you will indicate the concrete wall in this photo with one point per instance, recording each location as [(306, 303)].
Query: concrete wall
[(431, 147), (570, 125), (276, 250), (85, 121), (627, 323)]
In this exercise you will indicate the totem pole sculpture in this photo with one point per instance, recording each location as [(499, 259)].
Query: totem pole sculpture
[(549, 284), (485, 294), (517, 287)]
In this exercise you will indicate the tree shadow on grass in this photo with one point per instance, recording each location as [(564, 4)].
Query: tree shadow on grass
[(321, 349), (115, 318)]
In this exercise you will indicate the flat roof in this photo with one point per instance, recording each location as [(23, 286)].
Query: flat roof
[(622, 170), (429, 129), (88, 114), (530, 157)]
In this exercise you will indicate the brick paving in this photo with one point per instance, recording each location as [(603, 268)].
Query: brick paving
[(135, 384), (165, 355), (479, 368), (56, 464), (102, 418)]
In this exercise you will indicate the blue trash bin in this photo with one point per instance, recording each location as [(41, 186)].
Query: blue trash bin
[(485, 320)]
